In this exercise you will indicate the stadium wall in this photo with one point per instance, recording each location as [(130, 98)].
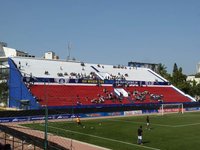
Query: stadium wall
[(87, 115)]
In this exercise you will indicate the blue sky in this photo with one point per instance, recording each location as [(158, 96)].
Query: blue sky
[(106, 31)]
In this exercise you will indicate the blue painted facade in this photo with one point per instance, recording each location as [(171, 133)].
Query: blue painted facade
[(18, 92)]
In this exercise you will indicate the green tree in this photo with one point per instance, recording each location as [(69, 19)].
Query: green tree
[(162, 70), (3, 92), (177, 76), (197, 75), (175, 69), (195, 86), (178, 79)]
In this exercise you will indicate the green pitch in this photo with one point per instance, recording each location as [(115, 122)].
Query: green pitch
[(168, 132)]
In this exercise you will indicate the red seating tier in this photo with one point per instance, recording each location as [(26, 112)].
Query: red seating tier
[(68, 95)]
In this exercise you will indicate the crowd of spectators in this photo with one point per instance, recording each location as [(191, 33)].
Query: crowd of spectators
[(142, 96), (106, 96), (91, 76), (134, 96)]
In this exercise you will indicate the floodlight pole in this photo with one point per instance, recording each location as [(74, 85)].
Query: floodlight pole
[(46, 119), (46, 128)]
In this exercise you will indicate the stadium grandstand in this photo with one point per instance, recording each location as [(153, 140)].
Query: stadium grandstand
[(35, 83)]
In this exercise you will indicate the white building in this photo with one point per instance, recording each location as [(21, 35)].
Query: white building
[(6, 52), (193, 77), (50, 55)]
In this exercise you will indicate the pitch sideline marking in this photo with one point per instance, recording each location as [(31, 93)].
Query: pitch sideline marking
[(95, 136), (185, 125), (162, 125), (173, 126)]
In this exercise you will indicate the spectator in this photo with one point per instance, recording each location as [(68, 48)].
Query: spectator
[(78, 103)]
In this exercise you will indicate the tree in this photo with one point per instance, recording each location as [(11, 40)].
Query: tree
[(195, 87), (3, 92), (162, 70), (197, 75), (175, 69), (178, 78)]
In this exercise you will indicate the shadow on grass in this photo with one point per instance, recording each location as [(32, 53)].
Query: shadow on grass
[(145, 142)]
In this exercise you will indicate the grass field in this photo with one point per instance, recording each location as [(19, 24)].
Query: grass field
[(168, 132)]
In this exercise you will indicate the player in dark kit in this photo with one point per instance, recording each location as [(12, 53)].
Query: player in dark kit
[(148, 123), (140, 135)]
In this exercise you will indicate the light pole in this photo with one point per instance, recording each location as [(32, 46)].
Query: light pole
[(46, 119)]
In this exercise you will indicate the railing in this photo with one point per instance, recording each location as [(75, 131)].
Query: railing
[(24, 137)]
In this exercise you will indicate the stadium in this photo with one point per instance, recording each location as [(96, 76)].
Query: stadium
[(60, 84), (111, 100)]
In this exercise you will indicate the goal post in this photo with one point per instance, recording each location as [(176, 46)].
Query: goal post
[(171, 108)]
